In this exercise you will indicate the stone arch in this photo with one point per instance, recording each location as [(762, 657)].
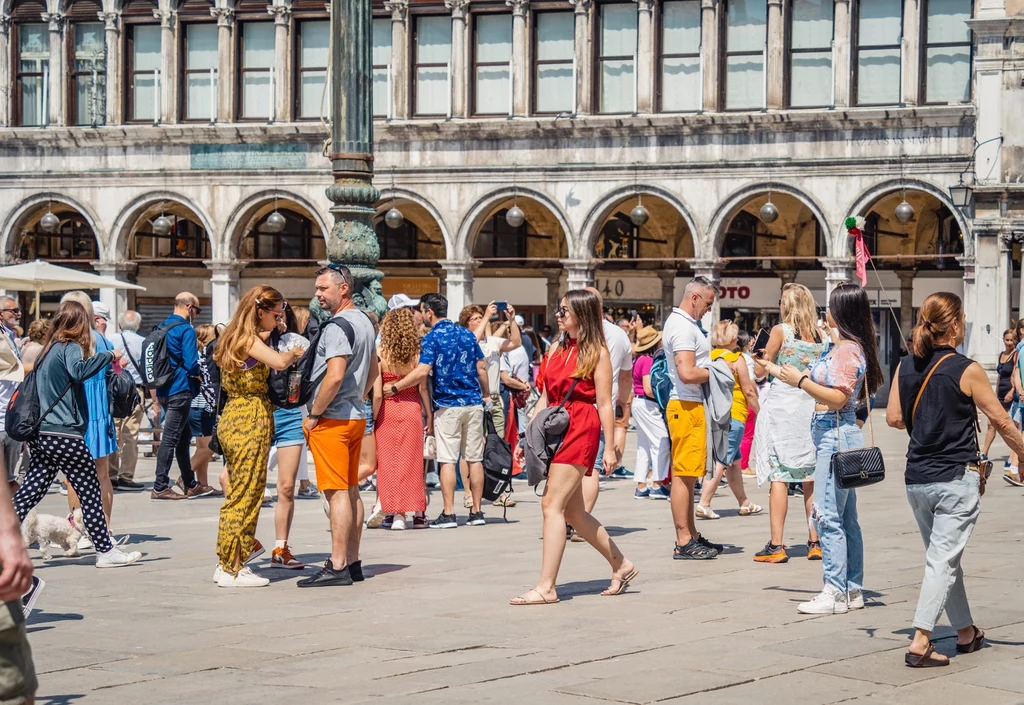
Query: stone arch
[(487, 204), (242, 218), (735, 202), (400, 194), (129, 215), (607, 204), (9, 239)]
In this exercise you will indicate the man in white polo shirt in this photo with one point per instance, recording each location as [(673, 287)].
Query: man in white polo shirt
[(689, 354)]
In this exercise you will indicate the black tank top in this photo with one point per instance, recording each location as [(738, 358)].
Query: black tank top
[(1004, 384), (942, 437)]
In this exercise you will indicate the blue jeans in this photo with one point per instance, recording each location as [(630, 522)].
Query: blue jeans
[(835, 509)]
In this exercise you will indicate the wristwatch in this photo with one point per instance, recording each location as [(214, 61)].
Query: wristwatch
[(315, 417), (394, 389)]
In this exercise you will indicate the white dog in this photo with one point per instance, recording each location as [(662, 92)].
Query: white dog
[(46, 529)]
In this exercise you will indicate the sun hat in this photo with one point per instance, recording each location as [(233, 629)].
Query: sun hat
[(646, 338)]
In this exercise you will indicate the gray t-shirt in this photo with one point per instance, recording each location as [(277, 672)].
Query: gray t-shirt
[(334, 342)]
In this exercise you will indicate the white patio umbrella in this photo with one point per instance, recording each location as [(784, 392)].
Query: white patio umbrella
[(40, 276)]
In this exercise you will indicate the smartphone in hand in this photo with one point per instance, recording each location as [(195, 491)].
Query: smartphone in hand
[(760, 342), (501, 305)]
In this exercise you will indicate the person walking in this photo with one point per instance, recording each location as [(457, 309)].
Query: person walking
[(491, 333), (12, 373), (122, 463), (578, 374), (653, 450), (783, 449), (936, 399), (346, 365), (244, 429), (1004, 384), (460, 397), (725, 339), (37, 332), (175, 398), (399, 421), (847, 372), (203, 413), (66, 362)]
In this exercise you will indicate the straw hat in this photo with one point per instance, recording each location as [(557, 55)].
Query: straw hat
[(646, 338)]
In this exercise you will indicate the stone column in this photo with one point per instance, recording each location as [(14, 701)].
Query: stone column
[(282, 63), (54, 112), (709, 269), (168, 65), (787, 276), (225, 66), (580, 273), (776, 54), (709, 55), (668, 291), (645, 57), (837, 271), (399, 10), (458, 278), (115, 299), (906, 300), (841, 54), (112, 29), (911, 69), (520, 57), (223, 288), (460, 57), (988, 290), (554, 277), (5, 70), (584, 55)]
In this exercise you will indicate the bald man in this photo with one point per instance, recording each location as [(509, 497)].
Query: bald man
[(175, 398)]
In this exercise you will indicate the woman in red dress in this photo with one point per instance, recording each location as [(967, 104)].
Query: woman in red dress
[(579, 354), (398, 421)]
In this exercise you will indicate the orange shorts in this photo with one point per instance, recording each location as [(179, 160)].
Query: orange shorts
[(335, 445)]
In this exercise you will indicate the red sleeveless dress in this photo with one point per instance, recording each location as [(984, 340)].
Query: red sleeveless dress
[(584, 435), (399, 435)]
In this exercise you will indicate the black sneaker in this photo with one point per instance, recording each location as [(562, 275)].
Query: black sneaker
[(129, 485), (697, 487), (28, 600), (693, 551), (716, 547), (356, 571), (444, 521), (476, 519), (327, 577)]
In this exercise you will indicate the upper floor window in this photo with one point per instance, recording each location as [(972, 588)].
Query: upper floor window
[(314, 49), (617, 58), (947, 51), (200, 68), (879, 32), (256, 75), (382, 72), (492, 68), (142, 67), (397, 243), (746, 37), (186, 240), (89, 74), (680, 89), (432, 67), (73, 239), (555, 52), (810, 59), (300, 239), (499, 240), (619, 239), (33, 62)]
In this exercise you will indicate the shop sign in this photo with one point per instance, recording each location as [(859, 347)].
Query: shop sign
[(753, 292), (413, 287), (630, 288)]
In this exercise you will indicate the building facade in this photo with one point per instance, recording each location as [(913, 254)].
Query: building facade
[(122, 117)]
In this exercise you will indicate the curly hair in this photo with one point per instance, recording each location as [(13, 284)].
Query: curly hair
[(399, 343)]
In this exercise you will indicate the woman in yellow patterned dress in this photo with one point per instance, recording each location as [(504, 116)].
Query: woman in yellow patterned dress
[(246, 427)]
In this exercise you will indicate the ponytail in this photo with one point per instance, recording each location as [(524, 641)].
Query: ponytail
[(939, 313)]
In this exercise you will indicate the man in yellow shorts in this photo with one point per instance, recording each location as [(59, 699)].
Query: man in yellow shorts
[(689, 354)]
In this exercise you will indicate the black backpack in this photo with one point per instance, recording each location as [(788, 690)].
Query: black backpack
[(497, 462), (123, 395), (277, 382), (23, 417), (156, 368)]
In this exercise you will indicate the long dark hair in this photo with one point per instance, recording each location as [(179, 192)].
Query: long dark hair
[(70, 324), (851, 311)]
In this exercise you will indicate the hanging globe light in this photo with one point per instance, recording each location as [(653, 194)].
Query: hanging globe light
[(162, 225), (905, 212), (394, 218), (49, 222), (639, 215), (515, 216), (275, 223), (769, 213)]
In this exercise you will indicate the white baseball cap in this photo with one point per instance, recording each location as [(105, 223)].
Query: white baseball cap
[(401, 301), (520, 321), (100, 309)]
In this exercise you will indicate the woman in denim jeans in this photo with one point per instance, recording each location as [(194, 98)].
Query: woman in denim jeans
[(836, 383), (943, 474)]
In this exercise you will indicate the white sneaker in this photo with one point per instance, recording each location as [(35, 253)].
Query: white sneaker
[(855, 600), (831, 600), (115, 558), (217, 573), (433, 479), (399, 523), (245, 578), (84, 542)]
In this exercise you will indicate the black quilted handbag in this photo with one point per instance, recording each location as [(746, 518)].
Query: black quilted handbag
[(860, 467)]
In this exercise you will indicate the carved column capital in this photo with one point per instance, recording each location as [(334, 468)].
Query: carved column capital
[(5, 25), (459, 8), (166, 17), (582, 7), (225, 16), (648, 5), (519, 7), (399, 9), (55, 20), (774, 3), (708, 5), (111, 21), (282, 14)]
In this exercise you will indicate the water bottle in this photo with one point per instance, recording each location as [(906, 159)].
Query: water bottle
[(294, 383)]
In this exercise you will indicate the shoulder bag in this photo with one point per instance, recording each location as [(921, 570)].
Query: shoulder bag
[(860, 467)]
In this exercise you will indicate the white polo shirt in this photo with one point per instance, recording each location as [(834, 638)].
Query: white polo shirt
[(682, 334), (620, 351)]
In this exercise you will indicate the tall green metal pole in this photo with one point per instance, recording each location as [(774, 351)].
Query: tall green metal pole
[(352, 240)]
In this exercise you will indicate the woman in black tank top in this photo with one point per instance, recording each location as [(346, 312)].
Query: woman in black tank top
[(1004, 384), (936, 398)]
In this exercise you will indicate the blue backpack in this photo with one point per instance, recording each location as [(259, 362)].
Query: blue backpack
[(661, 382)]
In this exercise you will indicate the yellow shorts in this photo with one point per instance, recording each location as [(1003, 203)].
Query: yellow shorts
[(335, 445), (687, 431)]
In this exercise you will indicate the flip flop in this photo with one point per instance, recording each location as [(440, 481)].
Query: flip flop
[(924, 660), (751, 509), (974, 645), (623, 583), (521, 601)]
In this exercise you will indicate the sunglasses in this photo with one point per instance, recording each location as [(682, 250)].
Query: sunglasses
[(12, 310), (561, 311)]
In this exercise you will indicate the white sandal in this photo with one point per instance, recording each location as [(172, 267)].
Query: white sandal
[(705, 512), (751, 509)]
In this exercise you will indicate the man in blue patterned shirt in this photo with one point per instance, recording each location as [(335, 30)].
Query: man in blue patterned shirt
[(460, 395)]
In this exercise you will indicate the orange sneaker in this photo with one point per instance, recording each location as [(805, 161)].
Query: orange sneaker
[(257, 551), (283, 558), (814, 550), (772, 554)]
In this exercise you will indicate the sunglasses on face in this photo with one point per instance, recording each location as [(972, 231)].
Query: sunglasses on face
[(12, 310), (561, 311)]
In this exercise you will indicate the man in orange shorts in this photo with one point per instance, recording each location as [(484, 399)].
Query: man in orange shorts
[(689, 355), (346, 367)]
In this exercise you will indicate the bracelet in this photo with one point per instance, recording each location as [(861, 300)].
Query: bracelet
[(800, 384)]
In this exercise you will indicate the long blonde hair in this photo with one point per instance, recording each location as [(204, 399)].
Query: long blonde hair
[(238, 337), (80, 297), (799, 311), (586, 307)]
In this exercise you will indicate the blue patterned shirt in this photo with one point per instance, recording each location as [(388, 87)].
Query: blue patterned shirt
[(453, 352)]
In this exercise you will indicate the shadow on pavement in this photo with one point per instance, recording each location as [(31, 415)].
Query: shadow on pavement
[(43, 617), (623, 530), (57, 699)]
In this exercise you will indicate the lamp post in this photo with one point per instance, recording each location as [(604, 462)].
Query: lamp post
[(353, 241)]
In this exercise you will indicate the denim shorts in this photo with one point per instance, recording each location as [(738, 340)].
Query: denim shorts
[(288, 428), (368, 406), (201, 422), (736, 429)]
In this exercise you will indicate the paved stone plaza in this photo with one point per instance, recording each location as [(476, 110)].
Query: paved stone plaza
[(432, 623)]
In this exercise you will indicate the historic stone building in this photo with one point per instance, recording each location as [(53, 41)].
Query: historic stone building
[(164, 134)]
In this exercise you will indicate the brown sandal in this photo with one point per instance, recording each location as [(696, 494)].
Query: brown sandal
[(623, 583), (924, 660), (974, 645)]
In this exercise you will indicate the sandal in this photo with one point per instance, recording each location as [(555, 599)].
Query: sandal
[(751, 509), (973, 645), (705, 512), (622, 583), (925, 660), (521, 601)]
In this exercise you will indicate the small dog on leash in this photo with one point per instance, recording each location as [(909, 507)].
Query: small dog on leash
[(46, 529)]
